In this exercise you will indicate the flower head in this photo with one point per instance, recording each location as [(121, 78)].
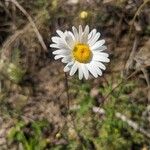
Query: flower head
[(81, 50)]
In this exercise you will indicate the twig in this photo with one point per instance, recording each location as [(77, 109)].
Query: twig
[(122, 117), (31, 21), (145, 72), (129, 62), (146, 76)]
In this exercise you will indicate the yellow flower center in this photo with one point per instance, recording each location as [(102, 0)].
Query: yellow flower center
[(82, 53)]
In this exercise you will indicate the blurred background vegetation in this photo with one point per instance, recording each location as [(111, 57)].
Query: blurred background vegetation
[(108, 113)]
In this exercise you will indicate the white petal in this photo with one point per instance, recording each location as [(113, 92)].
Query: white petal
[(68, 66), (58, 57), (54, 45), (98, 44), (75, 32), (100, 65), (60, 33), (71, 34), (101, 48), (94, 40), (80, 72), (69, 40), (85, 35), (86, 29), (66, 69), (80, 33), (98, 70), (66, 59), (61, 51), (60, 46), (100, 58), (92, 70), (85, 71), (65, 45), (91, 34), (56, 39), (73, 69), (100, 53)]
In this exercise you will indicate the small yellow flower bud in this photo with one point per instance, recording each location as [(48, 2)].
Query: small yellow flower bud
[(83, 14)]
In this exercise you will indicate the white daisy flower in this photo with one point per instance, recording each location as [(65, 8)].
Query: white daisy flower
[(81, 50)]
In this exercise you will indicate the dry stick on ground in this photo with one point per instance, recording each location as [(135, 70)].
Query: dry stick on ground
[(145, 72), (146, 75), (31, 21), (129, 63), (131, 123)]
